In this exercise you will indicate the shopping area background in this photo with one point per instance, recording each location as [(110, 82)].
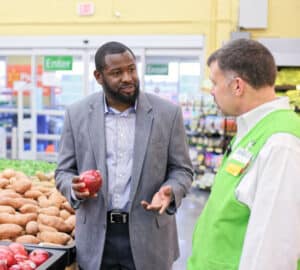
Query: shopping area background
[(46, 63)]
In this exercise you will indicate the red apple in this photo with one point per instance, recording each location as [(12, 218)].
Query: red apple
[(18, 248), (15, 267), (20, 257), (3, 265), (27, 265), (38, 256), (93, 181), (7, 256), (5, 248)]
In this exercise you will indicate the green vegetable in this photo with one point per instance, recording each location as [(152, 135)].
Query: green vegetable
[(29, 167)]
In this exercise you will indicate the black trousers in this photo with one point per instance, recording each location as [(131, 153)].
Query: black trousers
[(117, 253)]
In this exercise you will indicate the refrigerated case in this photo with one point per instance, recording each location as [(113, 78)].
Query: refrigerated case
[(33, 97)]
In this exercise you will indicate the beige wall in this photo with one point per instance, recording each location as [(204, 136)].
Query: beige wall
[(283, 20), (215, 19)]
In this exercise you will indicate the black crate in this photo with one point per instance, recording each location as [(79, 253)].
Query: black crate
[(69, 249), (57, 260)]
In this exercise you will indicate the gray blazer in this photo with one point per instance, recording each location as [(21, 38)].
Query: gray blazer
[(160, 158)]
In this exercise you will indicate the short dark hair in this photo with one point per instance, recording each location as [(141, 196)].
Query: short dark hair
[(249, 59), (111, 47)]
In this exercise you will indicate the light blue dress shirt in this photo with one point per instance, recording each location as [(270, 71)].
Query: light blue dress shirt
[(119, 135)]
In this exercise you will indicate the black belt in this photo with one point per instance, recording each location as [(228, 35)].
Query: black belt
[(117, 217)]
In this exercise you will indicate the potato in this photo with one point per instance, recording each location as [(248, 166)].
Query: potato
[(7, 209), (19, 175), (32, 227), (19, 219), (8, 231), (3, 182), (25, 218), (13, 202), (40, 188), (51, 175), (28, 208), (21, 185), (50, 211), (64, 214), (8, 173), (32, 194), (44, 202), (66, 205), (9, 193), (27, 201), (71, 241), (56, 199), (55, 222), (27, 239), (41, 176), (45, 184), (71, 221), (45, 228), (54, 237)]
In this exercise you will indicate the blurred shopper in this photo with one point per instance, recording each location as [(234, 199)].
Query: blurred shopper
[(137, 141), (252, 218)]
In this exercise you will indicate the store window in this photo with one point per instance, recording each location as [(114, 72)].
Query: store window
[(2, 72), (39, 114), (15, 73), (59, 87), (172, 78)]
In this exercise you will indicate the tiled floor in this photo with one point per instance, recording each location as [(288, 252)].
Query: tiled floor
[(187, 216)]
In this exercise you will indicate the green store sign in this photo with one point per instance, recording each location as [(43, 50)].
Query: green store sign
[(157, 69), (54, 63)]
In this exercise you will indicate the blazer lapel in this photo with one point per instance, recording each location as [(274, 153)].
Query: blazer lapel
[(96, 132), (144, 118)]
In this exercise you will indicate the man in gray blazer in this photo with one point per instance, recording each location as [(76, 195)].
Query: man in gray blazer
[(137, 141)]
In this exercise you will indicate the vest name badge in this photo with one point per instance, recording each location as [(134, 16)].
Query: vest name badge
[(238, 161)]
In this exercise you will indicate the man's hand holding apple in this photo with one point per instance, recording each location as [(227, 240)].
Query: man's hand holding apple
[(87, 184)]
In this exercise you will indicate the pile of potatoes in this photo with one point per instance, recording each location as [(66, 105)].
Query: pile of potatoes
[(33, 211)]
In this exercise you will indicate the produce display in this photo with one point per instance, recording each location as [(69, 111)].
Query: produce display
[(28, 167), (288, 76), (16, 257), (288, 84), (32, 210)]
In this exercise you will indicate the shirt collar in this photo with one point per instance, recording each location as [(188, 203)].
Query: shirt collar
[(110, 110), (249, 119)]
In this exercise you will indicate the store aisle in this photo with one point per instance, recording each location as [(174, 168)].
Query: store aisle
[(187, 215)]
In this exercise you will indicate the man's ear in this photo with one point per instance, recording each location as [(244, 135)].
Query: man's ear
[(239, 85), (98, 76)]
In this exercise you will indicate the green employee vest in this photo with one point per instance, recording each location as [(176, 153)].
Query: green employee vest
[(220, 231)]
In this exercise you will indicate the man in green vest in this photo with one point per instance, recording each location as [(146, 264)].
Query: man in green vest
[(252, 218)]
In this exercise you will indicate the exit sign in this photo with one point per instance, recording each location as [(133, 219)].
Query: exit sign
[(85, 8), (53, 63)]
